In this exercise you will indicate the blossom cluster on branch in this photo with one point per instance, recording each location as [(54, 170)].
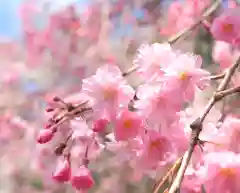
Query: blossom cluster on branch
[(150, 126), (122, 110)]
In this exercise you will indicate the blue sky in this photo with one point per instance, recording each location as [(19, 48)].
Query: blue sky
[(10, 23)]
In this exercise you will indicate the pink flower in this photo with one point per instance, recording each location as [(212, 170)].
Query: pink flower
[(63, 171), (82, 179), (108, 89), (87, 147), (176, 134), (124, 150), (127, 125), (222, 171), (192, 183), (232, 4), (156, 150), (226, 26), (185, 74), (159, 104), (172, 25), (152, 58), (45, 135), (230, 129), (223, 54), (182, 14), (100, 125)]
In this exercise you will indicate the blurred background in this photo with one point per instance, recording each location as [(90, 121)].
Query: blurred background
[(48, 46)]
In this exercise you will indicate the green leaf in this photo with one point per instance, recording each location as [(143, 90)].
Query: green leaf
[(37, 184)]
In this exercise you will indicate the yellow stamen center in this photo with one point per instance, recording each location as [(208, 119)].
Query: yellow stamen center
[(156, 144), (230, 172), (228, 27), (109, 93), (183, 75), (128, 124)]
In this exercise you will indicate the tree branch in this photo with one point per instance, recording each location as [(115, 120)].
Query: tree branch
[(184, 32), (222, 94), (207, 13), (196, 126), (217, 77)]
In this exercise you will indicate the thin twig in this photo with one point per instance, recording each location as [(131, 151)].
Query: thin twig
[(227, 92), (207, 13), (196, 127), (217, 77), (131, 70), (170, 172), (185, 32)]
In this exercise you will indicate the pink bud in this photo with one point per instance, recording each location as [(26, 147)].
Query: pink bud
[(63, 171), (226, 26), (56, 99), (82, 180), (49, 110), (48, 125), (45, 136), (100, 125)]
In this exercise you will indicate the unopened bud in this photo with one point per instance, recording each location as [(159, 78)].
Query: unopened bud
[(49, 109), (45, 136), (82, 180), (56, 99), (63, 171), (100, 125)]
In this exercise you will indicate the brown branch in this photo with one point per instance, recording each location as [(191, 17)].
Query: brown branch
[(131, 70), (207, 13), (196, 126), (185, 32), (222, 94), (217, 77), (172, 171)]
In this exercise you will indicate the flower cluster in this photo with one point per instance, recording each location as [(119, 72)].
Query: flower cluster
[(148, 127), (149, 136), (140, 131), (182, 14)]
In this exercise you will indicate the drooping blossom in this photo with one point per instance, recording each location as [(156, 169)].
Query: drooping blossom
[(157, 150), (223, 54), (222, 171), (185, 74), (230, 131), (226, 27), (63, 171), (100, 125), (127, 125), (151, 59), (159, 104), (45, 136), (82, 179), (182, 14), (108, 90), (191, 182), (124, 150)]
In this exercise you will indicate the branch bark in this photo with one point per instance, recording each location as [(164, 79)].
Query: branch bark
[(217, 77), (185, 32), (230, 91), (196, 126), (207, 13)]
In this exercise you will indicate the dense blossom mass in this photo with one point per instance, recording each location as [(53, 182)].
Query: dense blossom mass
[(152, 134), (173, 117)]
